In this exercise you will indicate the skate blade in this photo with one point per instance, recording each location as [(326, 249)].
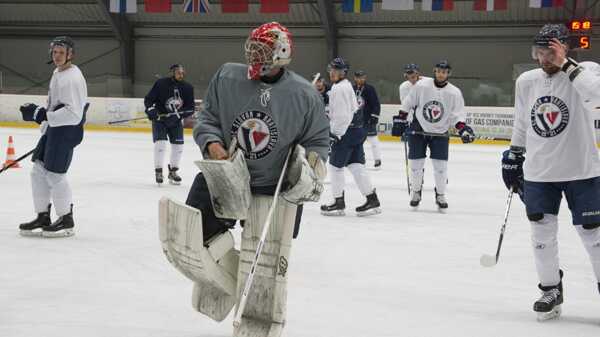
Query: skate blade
[(31, 232), (372, 211), (414, 208), (333, 213), (553, 314), (442, 210), (59, 234), (173, 182)]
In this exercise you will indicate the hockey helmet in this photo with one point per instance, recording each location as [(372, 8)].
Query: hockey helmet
[(268, 46)]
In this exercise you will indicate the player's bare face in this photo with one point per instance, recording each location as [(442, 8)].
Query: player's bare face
[(320, 85), (360, 81), (545, 57), (412, 77), (179, 74), (334, 75), (441, 75), (59, 56)]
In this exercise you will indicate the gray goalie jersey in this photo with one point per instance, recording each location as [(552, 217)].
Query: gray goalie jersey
[(266, 119)]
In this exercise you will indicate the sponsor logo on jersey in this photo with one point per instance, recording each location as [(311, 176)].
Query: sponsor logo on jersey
[(549, 116), (433, 111), (256, 133)]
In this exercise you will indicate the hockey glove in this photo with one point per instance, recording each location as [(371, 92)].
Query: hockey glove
[(152, 113), (512, 170), (33, 113), (373, 120), (400, 124), (333, 139), (305, 177), (466, 133)]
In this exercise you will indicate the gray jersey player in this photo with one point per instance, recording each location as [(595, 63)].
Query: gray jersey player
[(253, 117)]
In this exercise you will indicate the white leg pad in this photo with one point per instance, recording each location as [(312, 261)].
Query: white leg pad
[(545, 249), (264, 314), (211, 266), (416, 173), (591, 241), (440, 174), (375, 147)]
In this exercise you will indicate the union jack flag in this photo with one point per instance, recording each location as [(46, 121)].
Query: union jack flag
[(196, 6)]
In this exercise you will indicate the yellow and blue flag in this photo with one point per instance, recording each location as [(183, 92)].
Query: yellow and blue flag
[(357, 6)]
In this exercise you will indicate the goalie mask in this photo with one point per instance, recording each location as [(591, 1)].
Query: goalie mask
[(268, 46)]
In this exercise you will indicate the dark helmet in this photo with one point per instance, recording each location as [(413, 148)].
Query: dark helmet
[(175, 67), (411, 68), (551, 31), (443, 65), (339, 63), (63, 41), (360, 73)]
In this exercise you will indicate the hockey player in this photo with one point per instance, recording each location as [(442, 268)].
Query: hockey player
[(368, 102), (348, 135), (259, 111), (431, 108), (412, 75), (170, 100), (554, 108), (323, 89), (61, 123)]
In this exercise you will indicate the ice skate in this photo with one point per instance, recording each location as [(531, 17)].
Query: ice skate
[(62, 227), (335, 209), (440, 201), (548, 305), (158, 174), (34, 227), (174, 178), (415, 199), (370, 207)]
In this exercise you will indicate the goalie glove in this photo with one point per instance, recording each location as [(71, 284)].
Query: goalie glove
[(305, 177)]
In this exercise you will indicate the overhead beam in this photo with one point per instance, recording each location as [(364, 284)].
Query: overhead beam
[(123, 32), (329, 24)]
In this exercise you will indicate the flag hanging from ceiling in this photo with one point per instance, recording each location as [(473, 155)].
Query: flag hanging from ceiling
[(490, 5), (274, 6), (123, 6), (438, 5), (357, 6), (398, 5), (157, 6), (234, 6), (196, 6), (546, 3)]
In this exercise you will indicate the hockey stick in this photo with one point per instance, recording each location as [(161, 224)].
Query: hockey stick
[(240, 310), (16, 161), (446, 135), (490, 260), (406, 164), (316, 78), (127, 120)]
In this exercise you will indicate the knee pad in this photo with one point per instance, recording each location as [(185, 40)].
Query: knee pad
[(535, 216), (544, 231), (211, 265)]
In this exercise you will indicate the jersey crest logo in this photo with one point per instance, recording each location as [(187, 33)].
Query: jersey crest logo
[(265, 96), (360, 99), (433, 111), (174, 103), (256, 133), (549, 116)]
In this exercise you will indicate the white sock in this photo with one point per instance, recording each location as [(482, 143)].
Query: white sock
[(176, 153), (40, 189), (160, 149), (440, 174), (591, 241), (545, 249), (361, 177), (416, 173), (375, 147), (61, 192), (337, 181)]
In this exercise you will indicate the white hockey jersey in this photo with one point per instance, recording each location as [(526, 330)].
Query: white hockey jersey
[(436, 109), (67, 87), (554, 121), (404, 88), (342, 106)]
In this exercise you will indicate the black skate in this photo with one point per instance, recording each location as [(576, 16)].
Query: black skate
[(158, 175), (548, 306), (63, 226), (370, 207), (336, 208), (440, 200), (415, 199), (377, 165), (174, 178), (34, 227)]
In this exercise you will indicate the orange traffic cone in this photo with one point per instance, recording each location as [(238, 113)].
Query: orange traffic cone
[(10, 154)]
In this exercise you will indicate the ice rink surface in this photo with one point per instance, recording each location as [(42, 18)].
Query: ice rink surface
[(400, 273)]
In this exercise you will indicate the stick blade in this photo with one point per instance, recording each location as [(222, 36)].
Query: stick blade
[(488, 260)]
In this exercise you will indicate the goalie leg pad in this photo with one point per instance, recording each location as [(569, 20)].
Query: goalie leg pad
[(211, 266), (264, 314)]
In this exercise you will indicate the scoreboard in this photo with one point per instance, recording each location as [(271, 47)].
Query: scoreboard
[(581, 31)]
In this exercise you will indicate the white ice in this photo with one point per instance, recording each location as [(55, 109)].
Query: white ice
[(400, 273)]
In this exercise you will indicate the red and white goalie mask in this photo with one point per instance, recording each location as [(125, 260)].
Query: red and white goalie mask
[(268, 46)]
